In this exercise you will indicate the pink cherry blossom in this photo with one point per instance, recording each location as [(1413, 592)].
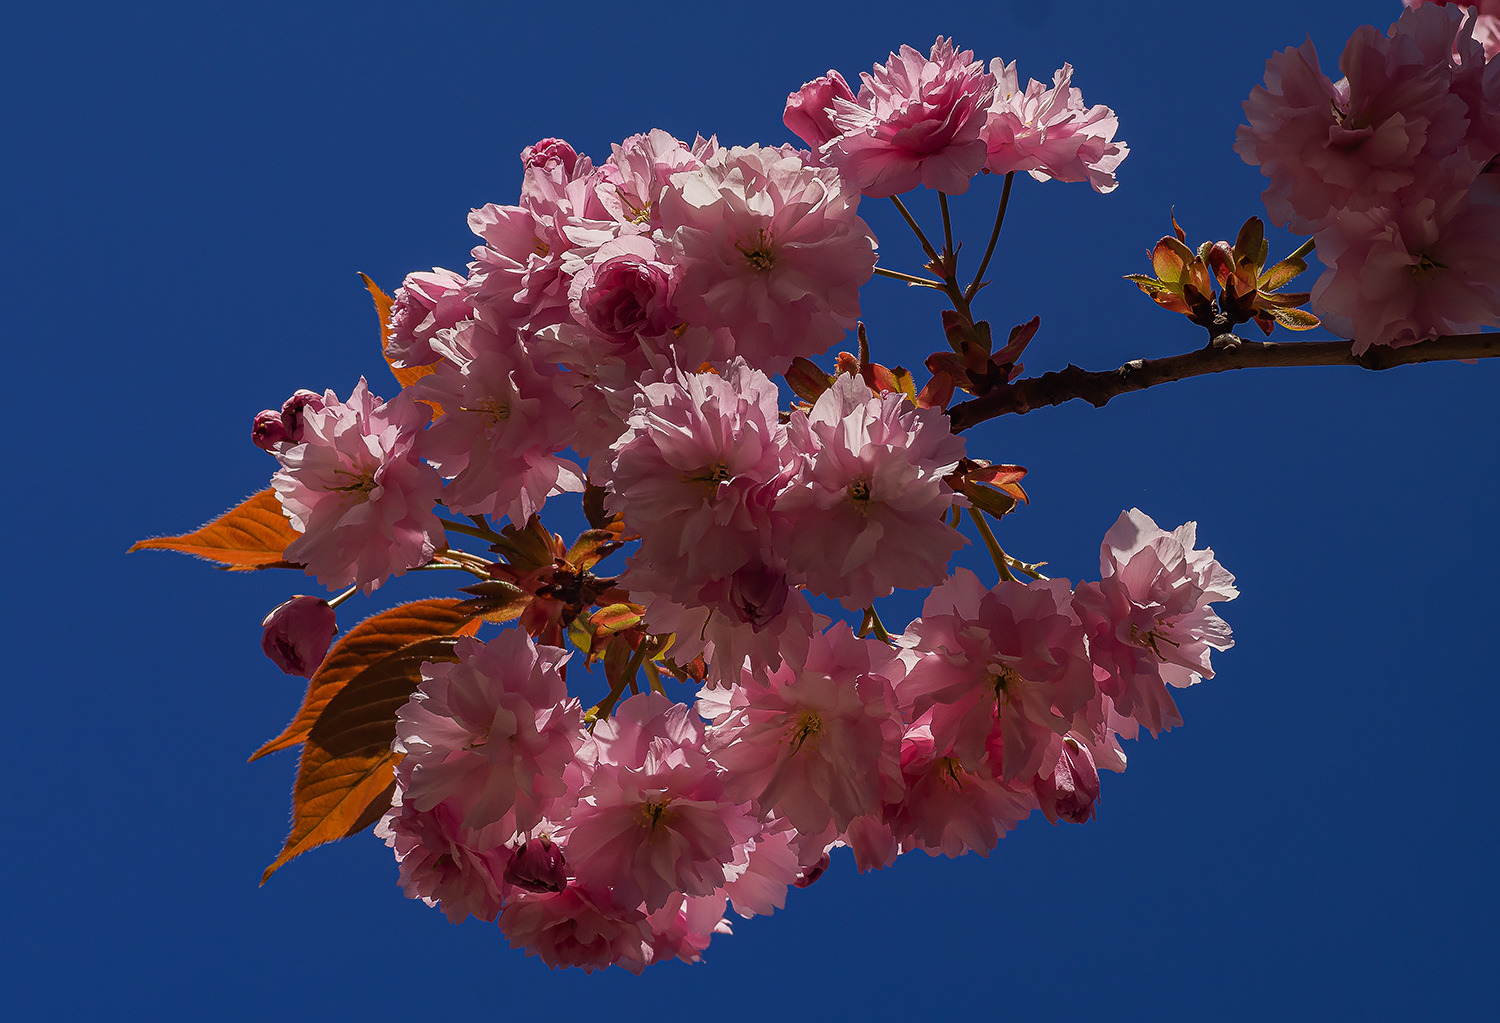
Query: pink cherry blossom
[(1486, 26), (864, 514), (768, 867), (554, 155), (424, 304), (357, 493), (690, 472), (442, 862), (631, 181), (296, 635), (948, 809), (505, 418), (916, 121), (1351, 146), (1049, 133), (1148, 619), (492, 734), (682, 928), (770, 247), (624, 291), (815, 741), (1003, 668), (809, 110), (577, 927), (655, 819), (1426, 267)]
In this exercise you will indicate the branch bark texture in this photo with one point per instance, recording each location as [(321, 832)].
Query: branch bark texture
[(1222, 354)]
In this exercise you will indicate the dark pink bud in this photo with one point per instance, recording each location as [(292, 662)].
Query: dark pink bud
[(757, 594), (550, 153), (1070, 790), (268, 431), (293, 409), (809, 110), (810, 874), (538, 866), (298, 634), (629, 295)]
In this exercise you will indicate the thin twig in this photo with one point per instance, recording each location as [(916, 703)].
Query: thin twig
[(998, 556), (911, 223), (897, 275)]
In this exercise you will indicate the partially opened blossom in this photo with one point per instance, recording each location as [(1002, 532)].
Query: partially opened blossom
[(655, 819), (1069, 788), (915, 121), (815, 742), (770, 247), (424, 304), (1049, 133), (504, 423), (625, 291), (296, 635), (356, 491), (809, 110), (492, 733), (1149, 620), (864, 514)]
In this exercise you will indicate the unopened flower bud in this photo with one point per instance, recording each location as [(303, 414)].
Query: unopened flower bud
[(549, 153), (538, 866), (298, 634), (268, 431), (629, 295), (294, 408), (1070, 790), (810, 874), (757, 594), (809, 110)]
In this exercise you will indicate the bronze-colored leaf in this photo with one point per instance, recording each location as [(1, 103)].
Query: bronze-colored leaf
[(1295, 319), (253, 534), (368, 642), (806, 380)]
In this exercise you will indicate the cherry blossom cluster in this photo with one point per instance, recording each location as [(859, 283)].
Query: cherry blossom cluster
[(616, 334), (1392, 170), (629, 844)]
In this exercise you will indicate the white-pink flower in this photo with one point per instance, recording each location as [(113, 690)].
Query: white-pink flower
[(493, 733), (916, 121), (1148, 619), (770, 247), (1050, 133), (864, 514), (356, 491)]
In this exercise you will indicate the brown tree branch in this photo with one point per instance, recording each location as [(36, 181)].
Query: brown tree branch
[(1223, 353)]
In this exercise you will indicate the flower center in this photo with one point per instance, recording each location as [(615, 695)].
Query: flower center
[(359, 482), (859, 490), (653, 813), (1004, 680), (807, 728), (492, 407), (760, 256)]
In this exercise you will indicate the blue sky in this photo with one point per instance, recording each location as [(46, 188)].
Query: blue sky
[(193, 190)]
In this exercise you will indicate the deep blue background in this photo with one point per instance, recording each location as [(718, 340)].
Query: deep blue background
[(191, 190)]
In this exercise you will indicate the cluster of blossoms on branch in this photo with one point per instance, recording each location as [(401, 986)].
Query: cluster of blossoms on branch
[(616, 335), (1392, 170)]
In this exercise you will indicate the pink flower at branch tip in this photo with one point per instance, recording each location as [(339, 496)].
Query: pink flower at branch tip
[(1050, 133), (915, 121)]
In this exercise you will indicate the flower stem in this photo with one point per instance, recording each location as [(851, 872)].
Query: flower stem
[(872, 622), (989, 250), (480, 531), (912, 223), (998, 556), (336, 601), (948, 249), (896, 275)]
